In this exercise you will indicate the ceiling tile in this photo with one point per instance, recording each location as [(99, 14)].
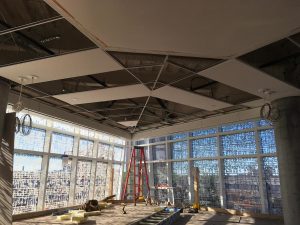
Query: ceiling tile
[(244, 77), (64, 66), (189, 98), (205, 28), (213, 89), (103, 95), (86, 83), (131, 59)]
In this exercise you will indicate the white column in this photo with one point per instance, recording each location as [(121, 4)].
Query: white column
[(93, 170), (92, 179), (262, 186), (190, 172), (223, 200), (169, 170), (73, 172), (44, 172)]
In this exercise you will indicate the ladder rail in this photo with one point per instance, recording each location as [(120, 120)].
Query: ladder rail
[(137, 174), (127, 177)]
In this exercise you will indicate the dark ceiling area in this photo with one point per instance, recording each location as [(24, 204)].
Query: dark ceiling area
[(50, 36), (280, 59), (31, 30)]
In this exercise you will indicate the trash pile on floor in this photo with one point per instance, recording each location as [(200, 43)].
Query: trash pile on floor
[(90, 208)]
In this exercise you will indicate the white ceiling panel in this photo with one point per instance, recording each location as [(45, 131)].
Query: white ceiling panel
[(255, 103), (103, 95), (188, 98), (64, 66), (244, 77), (129, 123), (205, 28)]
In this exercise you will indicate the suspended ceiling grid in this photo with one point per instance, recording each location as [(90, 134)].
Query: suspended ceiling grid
[(138, 70)]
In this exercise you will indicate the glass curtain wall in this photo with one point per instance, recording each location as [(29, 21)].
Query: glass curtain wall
[(237, 164), (60, 164)]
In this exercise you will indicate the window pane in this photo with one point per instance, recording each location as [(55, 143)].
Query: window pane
[(58, 183), (26, 182), (160, 174), (83, 179), (205, 147), (237, 126), (104, 151), (239, 144), (140, 142), (118, 153), (267, 141), (177, 136), (157, 139), (159, 152), (263, 123), (180, 182), (85, 148), (204, 132), (63, 126), (117, 180), (62, 143), (209, 192), (161, 196), (34, 141), (179, 150), (242, 184), (271, 176), (100, 181)]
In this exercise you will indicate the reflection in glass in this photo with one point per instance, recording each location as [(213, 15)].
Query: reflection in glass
[(272, 182), (242, 184)]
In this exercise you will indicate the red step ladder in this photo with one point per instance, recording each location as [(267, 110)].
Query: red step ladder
[(137, 173)]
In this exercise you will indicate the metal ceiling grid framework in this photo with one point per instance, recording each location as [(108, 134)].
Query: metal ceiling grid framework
[(142, 71)]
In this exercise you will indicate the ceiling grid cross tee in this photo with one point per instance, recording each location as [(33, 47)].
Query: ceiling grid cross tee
[(138, 70)]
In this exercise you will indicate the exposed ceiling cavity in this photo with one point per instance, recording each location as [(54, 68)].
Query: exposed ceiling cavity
[(148, 70)]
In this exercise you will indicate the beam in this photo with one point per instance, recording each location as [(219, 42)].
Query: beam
[(66, 116)]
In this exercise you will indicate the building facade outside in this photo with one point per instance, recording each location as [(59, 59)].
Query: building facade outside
[(237, 163), (60, 164)]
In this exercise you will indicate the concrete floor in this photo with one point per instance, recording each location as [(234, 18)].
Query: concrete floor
[(109, 216), (114, 216), (210, 218)]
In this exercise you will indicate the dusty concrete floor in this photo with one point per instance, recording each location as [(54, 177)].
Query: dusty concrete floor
[(210, 218), (110, 216), (114, 216)]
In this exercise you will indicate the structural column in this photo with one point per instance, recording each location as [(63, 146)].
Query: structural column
[(4, 90), (287, 133), (7, 130)]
